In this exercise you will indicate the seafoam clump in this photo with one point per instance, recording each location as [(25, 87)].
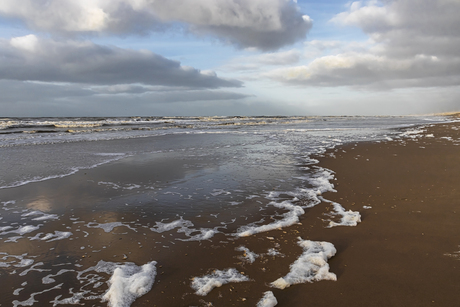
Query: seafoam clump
[(129, 282), (269, 300), (204, 285), (349, 218), (310, 266)]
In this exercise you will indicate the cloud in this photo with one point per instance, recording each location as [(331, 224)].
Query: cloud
[(408, 27), (372, 71), (263, 24), (31, 58), (413, 43)]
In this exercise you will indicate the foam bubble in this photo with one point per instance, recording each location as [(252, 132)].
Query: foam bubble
[(310, 266), (269, 300), (204, 285), (129, 282)]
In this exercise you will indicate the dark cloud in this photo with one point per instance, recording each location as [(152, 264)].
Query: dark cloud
[(263, 24), (31, 58), (21, 98)]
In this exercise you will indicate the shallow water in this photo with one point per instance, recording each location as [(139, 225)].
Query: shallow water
[(84, 209)]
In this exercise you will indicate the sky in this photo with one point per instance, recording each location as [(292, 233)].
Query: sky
[(228, 57)]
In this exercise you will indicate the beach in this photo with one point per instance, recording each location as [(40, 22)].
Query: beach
[(235, 211)]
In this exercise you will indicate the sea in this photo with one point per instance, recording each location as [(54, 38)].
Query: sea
[(92, 209)]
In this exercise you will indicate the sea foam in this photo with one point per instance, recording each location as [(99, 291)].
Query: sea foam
[(349, 218), (310, 266), (204, 285), (129, 282), (268, 300)]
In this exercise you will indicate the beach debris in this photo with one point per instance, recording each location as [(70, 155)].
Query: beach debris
[(310, 266)]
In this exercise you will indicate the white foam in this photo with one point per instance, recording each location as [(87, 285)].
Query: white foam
[(108, 227), (46, 217), (310, 266), (273, 252), (31, 300), (22, 230), (289, 218), (23, 262), (48, 279), (5, 228), (349, 218), (269, 300), (320, 180), (204, 285), (129, 282), (13, 239), (49, 237), (203, 233), (248, 255), (33, 268), (217, 192), (163, 227)]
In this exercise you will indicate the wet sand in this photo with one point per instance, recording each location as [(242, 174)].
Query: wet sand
[(397, 255)]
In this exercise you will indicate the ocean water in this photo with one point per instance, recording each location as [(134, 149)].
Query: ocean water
[(92, 208)]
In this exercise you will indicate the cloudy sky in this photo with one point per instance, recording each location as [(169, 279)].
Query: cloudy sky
[(228, 57)]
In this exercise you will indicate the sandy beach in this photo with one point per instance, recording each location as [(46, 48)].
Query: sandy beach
[(402, 253)]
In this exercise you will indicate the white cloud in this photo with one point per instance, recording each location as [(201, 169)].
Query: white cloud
[(37, 59), (264, 24), (413, 43)]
